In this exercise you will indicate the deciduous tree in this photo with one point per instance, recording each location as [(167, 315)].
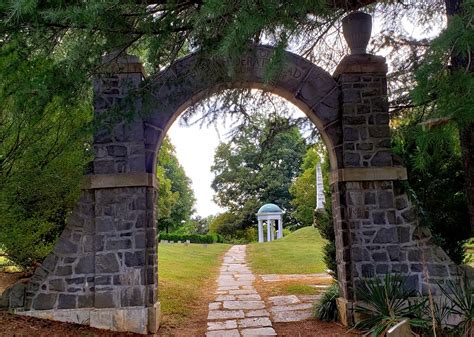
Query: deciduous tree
[(258, 166), (175, 195)]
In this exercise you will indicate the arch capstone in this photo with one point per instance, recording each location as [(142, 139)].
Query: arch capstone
[(103, 271)]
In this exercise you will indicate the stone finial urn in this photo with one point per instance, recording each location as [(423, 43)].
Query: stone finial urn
[(357, 28)]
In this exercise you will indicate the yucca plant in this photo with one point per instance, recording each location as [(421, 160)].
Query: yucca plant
[(461, 306), (326, 308), (386, 302)]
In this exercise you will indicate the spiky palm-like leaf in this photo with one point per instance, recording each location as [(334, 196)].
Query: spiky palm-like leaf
[(326, 308), (461, 305), (385, 302)]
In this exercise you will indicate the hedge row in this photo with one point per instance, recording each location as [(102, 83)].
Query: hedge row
[(193, 238)]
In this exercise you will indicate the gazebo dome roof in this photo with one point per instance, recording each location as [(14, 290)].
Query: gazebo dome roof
[(270, 208)]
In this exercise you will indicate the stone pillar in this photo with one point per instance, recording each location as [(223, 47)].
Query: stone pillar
[(366, 144), (103, 270), (269, 230), (280, 228), (126, 257), (272, 230), (260, 230), (376, 226)]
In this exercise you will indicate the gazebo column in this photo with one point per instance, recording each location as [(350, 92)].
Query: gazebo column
[(269, 231), (280, 228), (273, 229), (260, 231)]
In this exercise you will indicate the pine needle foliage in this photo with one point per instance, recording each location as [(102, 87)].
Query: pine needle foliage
[(446, 90), (436, 182)]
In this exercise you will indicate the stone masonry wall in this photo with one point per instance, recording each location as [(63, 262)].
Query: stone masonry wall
[(125, 247), (106, 256), (366, 131), (376, 226), (106, 263), (65, 279), (118, 143), (385, 238)]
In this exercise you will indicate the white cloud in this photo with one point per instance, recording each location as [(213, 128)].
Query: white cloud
[(195, 149)]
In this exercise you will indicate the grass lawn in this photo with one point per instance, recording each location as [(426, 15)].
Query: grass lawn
[(3, 260), (300, 289), (6, 265), (186, 276), (301, 252)]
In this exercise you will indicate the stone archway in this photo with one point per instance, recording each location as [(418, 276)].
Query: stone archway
[(192, 78), (103, 271)]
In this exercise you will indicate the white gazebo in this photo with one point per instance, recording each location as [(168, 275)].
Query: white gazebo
[(270, 214)]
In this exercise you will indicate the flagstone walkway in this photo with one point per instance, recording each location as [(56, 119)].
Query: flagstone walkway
[(238, 310)]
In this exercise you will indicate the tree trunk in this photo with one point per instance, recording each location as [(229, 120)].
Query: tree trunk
[(467, 146), (454, 7)]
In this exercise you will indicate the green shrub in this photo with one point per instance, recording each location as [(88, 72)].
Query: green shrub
[(28, 242), (286, 232), (34, 207), (241, 236), (226, 226), (326, 308), (193, 238), (324, 222), (329, 258)]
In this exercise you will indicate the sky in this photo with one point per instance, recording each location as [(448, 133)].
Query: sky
[(195, 148)]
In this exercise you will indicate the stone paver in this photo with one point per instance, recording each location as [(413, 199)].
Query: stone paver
[(244, 305), (254, 322), (291, 316), (284, 300), (215, 305), (238, 309), (223, 333), (222, 325), (291, 308), (259, 332), (309, 298), (225, 314), (257, 313)]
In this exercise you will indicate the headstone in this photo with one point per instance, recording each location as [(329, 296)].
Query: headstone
[(171, 241), (188, 242), (179, 241), (164, 241)]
